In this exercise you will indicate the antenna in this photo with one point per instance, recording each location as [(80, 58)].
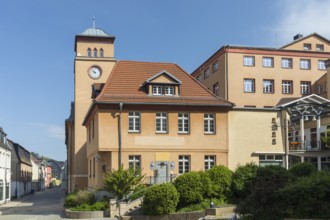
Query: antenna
[(93, 22)]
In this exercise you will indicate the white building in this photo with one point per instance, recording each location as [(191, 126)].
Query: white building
[(5, 168)]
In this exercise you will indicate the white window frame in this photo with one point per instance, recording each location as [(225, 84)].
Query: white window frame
[(134, 121), (321, 65), (305, 64), (248, 60), (169, 90), (206, 73), (268, 61), (209, 161), (215, 66), (268, 86), (209, 123), (287, 87), (307, 46), (134, 162), (157, 90), (183, 123), (286, 63), (249, 85), (184, 164), (305, 87), (161, 122), (319, 47)]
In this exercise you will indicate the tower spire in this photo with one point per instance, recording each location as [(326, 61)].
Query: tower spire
[(93, 22)]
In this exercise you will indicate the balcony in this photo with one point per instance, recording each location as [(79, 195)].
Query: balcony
[(308, 146)]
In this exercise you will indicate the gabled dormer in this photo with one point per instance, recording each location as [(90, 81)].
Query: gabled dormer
[(313, 42), (163, 84)]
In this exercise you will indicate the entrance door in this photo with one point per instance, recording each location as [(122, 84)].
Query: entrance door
[(162, 172)]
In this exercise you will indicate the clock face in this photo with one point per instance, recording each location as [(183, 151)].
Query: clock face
[(94, 72)]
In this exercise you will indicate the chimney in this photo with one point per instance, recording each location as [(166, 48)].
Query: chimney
[(298, 36)]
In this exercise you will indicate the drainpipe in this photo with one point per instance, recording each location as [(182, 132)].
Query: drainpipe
[(119, 134)]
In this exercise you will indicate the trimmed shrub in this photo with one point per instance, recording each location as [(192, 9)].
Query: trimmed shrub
[(98, 206), (262, 203), (302, 169), (190, 188), (307, 198), (221, 179), (70, 201), (78, 198), (160, 199), (242, 179)]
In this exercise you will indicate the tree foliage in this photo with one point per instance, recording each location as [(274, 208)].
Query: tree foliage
[(122, 182), (160, 199), (302, 170)]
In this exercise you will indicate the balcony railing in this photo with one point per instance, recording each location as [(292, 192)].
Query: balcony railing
[(151, 180), (308, 146)]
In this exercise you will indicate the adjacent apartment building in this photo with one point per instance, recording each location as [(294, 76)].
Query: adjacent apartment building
[(5, 167), (260, 77)]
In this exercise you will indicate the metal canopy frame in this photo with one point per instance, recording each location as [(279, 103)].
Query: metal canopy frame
[(309, 106)]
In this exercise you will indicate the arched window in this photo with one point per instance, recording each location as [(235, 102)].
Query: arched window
[(101, 52), (89, 52), (95, 52)]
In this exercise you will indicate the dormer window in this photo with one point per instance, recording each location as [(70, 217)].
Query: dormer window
[(307, 47), (169, 90), (89, 52), (157, 90), (319, 47)]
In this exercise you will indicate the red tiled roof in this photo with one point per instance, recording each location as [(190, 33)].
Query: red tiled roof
[(125, 84)]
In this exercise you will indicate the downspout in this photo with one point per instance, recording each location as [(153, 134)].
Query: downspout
[(119, 134), (226, 75)]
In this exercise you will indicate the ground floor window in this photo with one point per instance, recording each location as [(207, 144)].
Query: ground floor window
[(209, 162), (134, 162), (1, 190), (184, 164), (270, 159), (325, 163), (7, 190)]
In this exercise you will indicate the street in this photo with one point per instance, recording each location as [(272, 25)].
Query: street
[(46, 204)]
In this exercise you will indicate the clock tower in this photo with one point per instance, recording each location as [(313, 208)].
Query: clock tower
[(94, 60)]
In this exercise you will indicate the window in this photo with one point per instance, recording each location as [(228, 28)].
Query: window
[(248, 85), (209, 161), (248, 61), (305, 64), (1, 190), (199, 78), (134, 121), (209, 123), (319, 47), (215, 66), (270, 159), (90, 168), (206, 73), (89, 52), (268, 86), (183, 122), (307, 47), (94, 164), (286, 63), (305, 87), (287, 87), (161, 122), (321, 65), (216, 89), (169, 90), (134, 162), (184, 164), (95, 52), (157, 90), (7, 190), (101, 52), (268, 62)]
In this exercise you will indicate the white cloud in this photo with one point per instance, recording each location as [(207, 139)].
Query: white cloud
[(302, 16), (51, 130)]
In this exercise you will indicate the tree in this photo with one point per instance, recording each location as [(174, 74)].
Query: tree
[(122, 182)]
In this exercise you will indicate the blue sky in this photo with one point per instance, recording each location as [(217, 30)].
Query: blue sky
[(37, 47)]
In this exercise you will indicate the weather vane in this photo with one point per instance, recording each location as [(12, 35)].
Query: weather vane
[(93, 22)]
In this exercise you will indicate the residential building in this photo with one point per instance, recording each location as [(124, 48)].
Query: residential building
[(154, 117), (260, 77), (21, 171), (5, 167)]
